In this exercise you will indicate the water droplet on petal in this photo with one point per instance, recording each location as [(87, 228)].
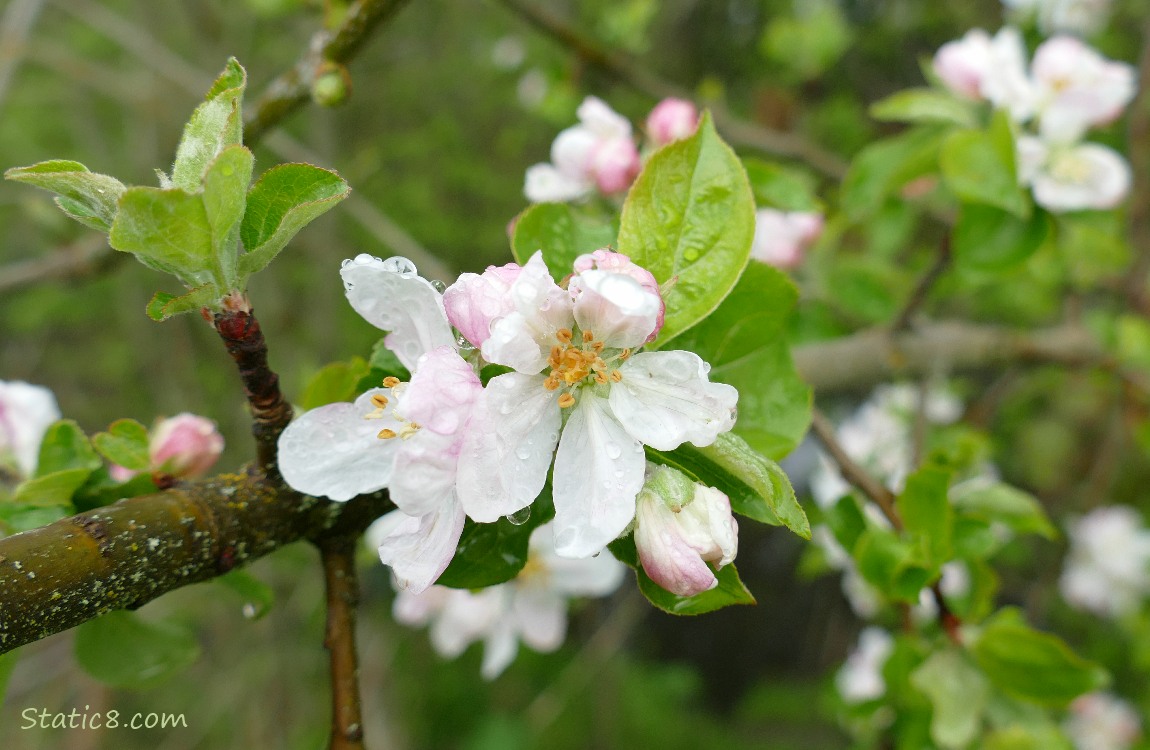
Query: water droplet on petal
[(506, 407), (363, 259), (439, 285), (523, 452), (520, 517), (399, 264), (346, 262), (613, 450)]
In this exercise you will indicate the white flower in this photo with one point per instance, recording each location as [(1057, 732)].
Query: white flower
[(26, 412), (531, 608), (980, 67), (1107, 570), (680, 526), (1071, 16), (1076, 88), (597, 154), (782, 237), (573, 360), (1102, 721), (1073, 177), (860, 678), (405, 436)]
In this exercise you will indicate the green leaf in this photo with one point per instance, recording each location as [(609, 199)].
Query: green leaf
[(87, 197), (125, 443), (491, 553), (168, 230), (215, 125), (729, 591), (50, 490), (892, 565), (1032, 665), (846, 521), (883, 167), (979, 167), (123, 650), (997, 502), (225, 194), (756, 486), (807, 43), (781, 187), (958, 694), (925, 105), (927, 515), (64, 447), (744, 340), (257, 596), (690, 217), (990, 239), (7, 664), (163, 305), (562, 232), (338, 381), (284, 200)]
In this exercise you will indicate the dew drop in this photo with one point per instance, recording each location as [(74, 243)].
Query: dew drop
[(346, 262), (690, 255), (520, 517), (613, 450), (506, 407), (523, 452), (439, 285), (399, 264), (363, 259), (249, 611)]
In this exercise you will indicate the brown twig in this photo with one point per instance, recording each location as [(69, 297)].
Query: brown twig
[(923, 287), (338, 555), (292, 89), (271, 413), (623, 68), (851, 471), (125, 555)]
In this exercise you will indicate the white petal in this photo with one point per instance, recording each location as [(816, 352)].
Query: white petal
[(417, 609), (546, 184), (1082, 177), (571, 152), (542, 617), (598, 117), (392, 297), (466, 617), (665, 400), (505, 454), (598, 473), (424, 476), (26, 412), (499, 649), (591, 576), (523, 339), (334, 450), (419, 549), (615, 307)]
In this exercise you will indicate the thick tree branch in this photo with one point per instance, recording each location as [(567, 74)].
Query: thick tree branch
[(292, 89), (125, 555), (875, 355), (621, 67), (340, 582)]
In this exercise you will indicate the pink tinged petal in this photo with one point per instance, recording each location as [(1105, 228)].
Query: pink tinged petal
[(1078, 88), (392, 297), (672, 120), (475, 300), (962, 64), (665, 400), (615, 307), (26, 413), (1089, 176), (523, 339), (1006, 83), (614, 165), (541, 615), (709, 527), (666, 554), (606, 260), (185, 445), (334, 450), (598, 473), (546, 184), (571, 153), (441, 392), (505, 456), (420, 549)]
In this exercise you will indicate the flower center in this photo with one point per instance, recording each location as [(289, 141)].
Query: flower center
[(1070, 168), (380, 402), (577, 360)]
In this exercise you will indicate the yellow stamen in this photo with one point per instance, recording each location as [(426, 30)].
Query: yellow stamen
[(379, 400), (616, 376), (390, 382), (566, 400), (623, 355), (564, 335), (386, 434), (601, 378), (588, 337)]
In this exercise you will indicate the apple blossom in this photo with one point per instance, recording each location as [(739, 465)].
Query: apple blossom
[(981, 67), (26, 412), (1072, 16), (1107, 570), (597, 154), (185, 445), (680, 526), (672, 120), (576, 375), (1076, 88), (532, 607), (782, 237), (1072, 177), (1102, 721), (860, 678)]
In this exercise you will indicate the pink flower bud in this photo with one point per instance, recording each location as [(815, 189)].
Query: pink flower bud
[(672, 120), (185, 445), (614, 164), (675, 542), (475, 300), (782, 238)]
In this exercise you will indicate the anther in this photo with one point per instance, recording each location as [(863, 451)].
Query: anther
[(379, 400), (564, 335), (601, 379), (616, 376), (566, 400), (588, 337), (386, 434), (623, 355), (391, 381)]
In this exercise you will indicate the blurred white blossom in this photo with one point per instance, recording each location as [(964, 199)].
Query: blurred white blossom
[(782, 237), (1102, 721), (1107, 570), (26, 412), (860, 678), (1083, 17)]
